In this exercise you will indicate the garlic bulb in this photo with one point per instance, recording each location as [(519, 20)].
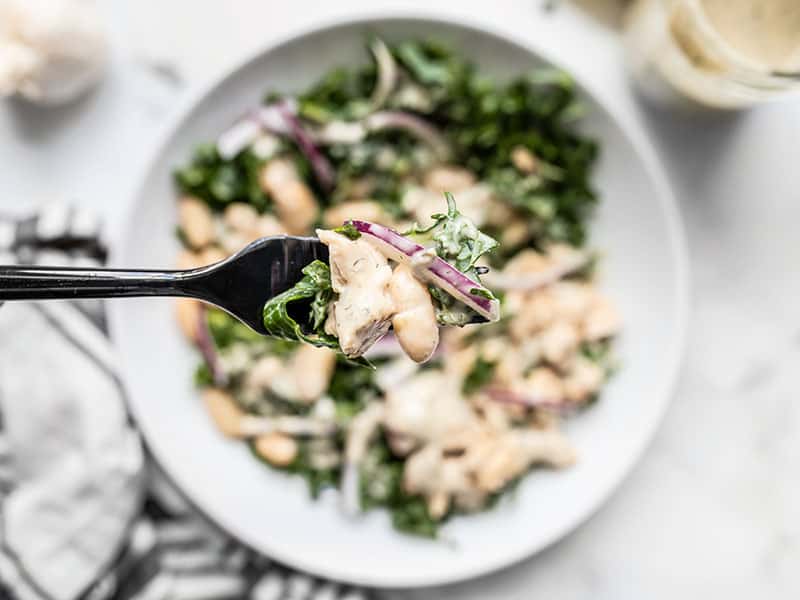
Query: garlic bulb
[(50, 50)]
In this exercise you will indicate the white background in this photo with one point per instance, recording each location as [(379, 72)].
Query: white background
[(714, 507)]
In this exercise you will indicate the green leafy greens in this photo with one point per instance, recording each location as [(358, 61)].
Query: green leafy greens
[(219, 182), (458, 241), (479, 375), (314, 287), (486, 119), (382, 487)]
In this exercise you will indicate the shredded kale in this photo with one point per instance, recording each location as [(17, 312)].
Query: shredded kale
[(600, 352), (350, 388), (219, 182), (226, 330), (382, 487), (315, 286), (341, 94), (449, 311), (203, 376), (482, 292), (180, 234), (317, 479), (458, 241), (349, 231), (479, 375)]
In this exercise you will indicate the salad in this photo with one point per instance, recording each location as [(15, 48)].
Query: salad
[(429, 430)]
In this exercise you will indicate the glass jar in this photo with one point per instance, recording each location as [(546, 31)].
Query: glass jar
[(725, 54)]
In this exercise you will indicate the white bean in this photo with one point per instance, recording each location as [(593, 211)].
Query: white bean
[(515, 233), (524, 160), (584, 379), (226, 414), (276, 448), (312, 369), (269, 225), (241, 217), (261, 374), (294, 202), (188, 314), (414, 322), (559, 341), (602, 320), (211, 255), (365, 210), (449, 179), (196, 221), (189, 260), (544, 384)]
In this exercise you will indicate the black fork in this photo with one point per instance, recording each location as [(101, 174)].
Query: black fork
[(240, 284)]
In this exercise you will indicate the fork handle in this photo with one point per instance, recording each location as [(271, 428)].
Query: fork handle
[(67, 283)]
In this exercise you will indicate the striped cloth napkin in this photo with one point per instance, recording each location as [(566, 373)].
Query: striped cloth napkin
[(84, 512)]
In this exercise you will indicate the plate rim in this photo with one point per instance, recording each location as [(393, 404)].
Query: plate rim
[(631, 129)]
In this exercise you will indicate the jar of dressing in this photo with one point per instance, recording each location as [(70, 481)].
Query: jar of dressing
[(725, 54)]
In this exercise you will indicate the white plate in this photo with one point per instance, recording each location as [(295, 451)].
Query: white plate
[(644, 270)]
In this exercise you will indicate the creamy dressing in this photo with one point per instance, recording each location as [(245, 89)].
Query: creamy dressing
[(427, 406), (720, 53), (467, 467), (765, 32)]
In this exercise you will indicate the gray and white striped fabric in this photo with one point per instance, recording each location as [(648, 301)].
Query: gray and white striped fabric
[(85, 514)]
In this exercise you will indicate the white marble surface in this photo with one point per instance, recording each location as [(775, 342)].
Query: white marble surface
[(714, 506)]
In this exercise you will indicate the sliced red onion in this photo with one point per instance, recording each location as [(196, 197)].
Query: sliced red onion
[(245, 131), (323, 170), (416, 126), (272, 116), (435, 270), (238, 137), (387, 73), (205, 343), (353, 132), (533, 281), (279, 118)]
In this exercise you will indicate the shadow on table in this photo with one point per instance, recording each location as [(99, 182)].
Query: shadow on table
[(37, 123), (606, 12), (692, 145)]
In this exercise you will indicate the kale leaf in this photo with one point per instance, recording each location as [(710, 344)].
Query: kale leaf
[(457, 240), (349, 231), (382, 487), (479, 375), (219, 182), (315, 286)]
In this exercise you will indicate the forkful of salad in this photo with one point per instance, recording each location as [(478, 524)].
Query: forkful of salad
[(343, 289)]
